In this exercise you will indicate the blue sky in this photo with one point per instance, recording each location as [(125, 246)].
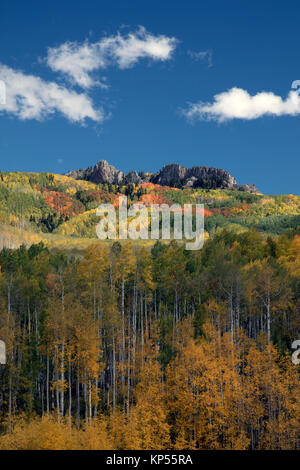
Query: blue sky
[(170, 81)]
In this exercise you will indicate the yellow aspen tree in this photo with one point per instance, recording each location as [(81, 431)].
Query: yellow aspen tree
[(151, 413)]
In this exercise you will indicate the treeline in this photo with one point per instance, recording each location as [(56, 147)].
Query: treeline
[(125, 348)]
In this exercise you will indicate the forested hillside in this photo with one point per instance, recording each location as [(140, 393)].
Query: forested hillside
[(61, 211), (146, 345), (131, 349)]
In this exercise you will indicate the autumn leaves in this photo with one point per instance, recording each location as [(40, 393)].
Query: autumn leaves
[(124, 348)]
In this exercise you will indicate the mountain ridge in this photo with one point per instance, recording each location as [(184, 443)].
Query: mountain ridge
[(172, 175)]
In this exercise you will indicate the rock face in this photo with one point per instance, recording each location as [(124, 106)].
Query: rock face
[(132, 178), (173, 175), (102, 172), (198, 176), (248, 188), (170, 175)]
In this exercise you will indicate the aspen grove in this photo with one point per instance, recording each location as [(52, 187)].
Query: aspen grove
[(128, 347)]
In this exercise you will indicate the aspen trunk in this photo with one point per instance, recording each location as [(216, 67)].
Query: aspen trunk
[(70, 395), (47, 385), (77, 400), (269, 319), (114, 372)]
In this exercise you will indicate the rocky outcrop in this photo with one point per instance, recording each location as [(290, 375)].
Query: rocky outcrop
[(248, 188), (132, 178), (198, 176), (80, 174), (170, 175), (222, 178), (102, 172), (173, 175)]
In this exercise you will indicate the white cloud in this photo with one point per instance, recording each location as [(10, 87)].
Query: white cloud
[(79, 60), (237, 103), (76, 61), (30, 97), (202, 55)]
